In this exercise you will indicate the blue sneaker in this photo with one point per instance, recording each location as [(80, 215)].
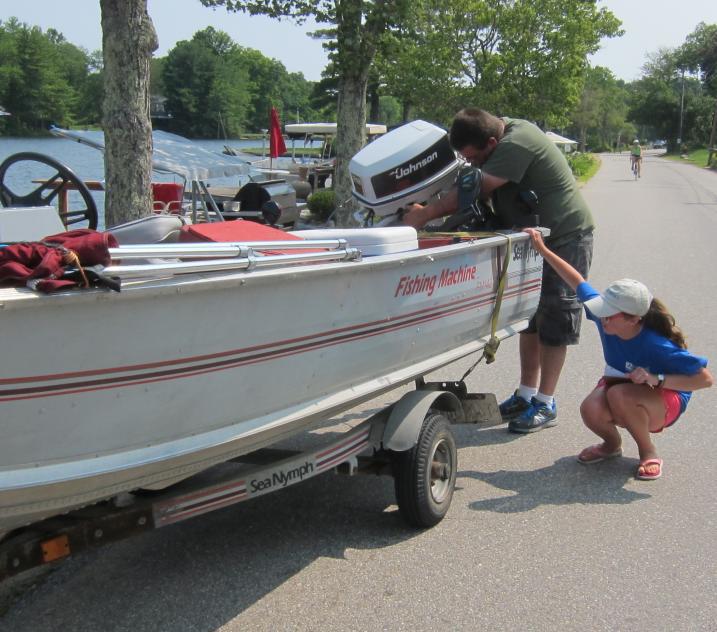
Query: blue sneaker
[(538, 416), (514, 406)]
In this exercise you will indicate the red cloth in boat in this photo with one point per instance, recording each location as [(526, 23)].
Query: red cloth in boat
[(240, 230), (237, 230), (24, 261)]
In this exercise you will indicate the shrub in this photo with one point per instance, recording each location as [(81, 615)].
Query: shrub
[(321, 203), (581, 164)]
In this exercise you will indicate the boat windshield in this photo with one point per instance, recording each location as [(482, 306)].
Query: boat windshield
[(174, 154)]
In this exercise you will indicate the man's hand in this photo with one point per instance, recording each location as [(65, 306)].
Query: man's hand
[(415, 215)]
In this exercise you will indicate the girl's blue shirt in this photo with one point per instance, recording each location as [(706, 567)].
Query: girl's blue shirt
[(649, 350)]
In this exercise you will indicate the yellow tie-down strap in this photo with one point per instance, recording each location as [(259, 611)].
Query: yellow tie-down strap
[(491, 347)]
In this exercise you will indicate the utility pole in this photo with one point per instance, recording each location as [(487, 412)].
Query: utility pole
[(682, 110)]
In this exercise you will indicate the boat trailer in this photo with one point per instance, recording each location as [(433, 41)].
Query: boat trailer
[(410, 440)]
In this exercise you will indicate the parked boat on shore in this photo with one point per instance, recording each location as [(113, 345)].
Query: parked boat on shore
[(227, 337)]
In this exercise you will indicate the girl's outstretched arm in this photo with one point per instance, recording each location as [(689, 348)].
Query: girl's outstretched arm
[(565, 271)]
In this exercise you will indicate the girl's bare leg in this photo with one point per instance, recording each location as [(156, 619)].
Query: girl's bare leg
[(639, 409), (597, 416)]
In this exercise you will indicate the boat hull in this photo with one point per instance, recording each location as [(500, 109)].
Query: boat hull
[(109, 392)]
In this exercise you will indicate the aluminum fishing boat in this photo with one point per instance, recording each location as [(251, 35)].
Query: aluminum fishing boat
[(104, 392), (224, 340)]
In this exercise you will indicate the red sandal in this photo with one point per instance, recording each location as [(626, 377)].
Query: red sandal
[(644, 475)]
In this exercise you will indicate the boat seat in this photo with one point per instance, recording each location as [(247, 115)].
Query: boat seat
[(167, 197), (380, 240), (153, 229)]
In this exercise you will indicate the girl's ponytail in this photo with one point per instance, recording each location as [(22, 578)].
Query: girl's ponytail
[(659, 319)]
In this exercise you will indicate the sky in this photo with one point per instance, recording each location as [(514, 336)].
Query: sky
[(648, 24)]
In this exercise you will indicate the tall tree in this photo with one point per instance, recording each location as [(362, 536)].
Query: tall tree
[(207, 86), (699, 52), (358, 26), (128, 41), (656, 100), (524, 58), (35, 78), (600, 117)]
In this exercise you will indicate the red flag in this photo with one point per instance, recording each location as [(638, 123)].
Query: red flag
[(277, 147)]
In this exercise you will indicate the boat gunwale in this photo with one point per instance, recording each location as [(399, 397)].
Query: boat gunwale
[(19, 297)]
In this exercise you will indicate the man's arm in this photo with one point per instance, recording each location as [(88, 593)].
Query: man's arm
[(418, 215), (489, 184)]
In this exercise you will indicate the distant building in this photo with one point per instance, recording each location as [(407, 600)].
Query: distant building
[(566, 144), (158, 112)]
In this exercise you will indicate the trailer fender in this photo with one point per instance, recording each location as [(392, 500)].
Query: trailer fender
[(407, 415)]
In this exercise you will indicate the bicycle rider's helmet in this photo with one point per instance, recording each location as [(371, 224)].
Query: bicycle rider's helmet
[(636, 142)]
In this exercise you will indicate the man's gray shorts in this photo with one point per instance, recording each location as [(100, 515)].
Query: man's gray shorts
[(559, 314)]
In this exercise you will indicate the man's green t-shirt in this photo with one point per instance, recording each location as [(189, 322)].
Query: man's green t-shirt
[(530, 161), (636, 150)]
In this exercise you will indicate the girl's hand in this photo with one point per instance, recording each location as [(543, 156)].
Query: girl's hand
[(537, 238), (641, 376)]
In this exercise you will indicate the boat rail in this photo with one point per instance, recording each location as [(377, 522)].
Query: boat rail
[(225, 256), (219, 249)]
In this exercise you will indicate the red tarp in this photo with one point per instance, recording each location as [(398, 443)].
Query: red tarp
[(46, 260)]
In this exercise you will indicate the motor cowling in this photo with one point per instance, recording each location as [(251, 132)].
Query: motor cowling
[(409, 164)]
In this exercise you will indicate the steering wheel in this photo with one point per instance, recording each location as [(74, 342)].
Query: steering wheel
[(43, 195)]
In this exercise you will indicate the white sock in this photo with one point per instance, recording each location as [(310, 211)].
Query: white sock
[(526, 392), (546, 399)]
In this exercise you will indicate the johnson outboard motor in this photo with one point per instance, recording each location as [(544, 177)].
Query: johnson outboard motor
[(410, 164)]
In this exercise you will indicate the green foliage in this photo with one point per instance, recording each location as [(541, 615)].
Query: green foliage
[(600, 119), (389, 111), (656, 100), (524, 58), (699, 53), (583, 165), (322, 203), (43, 78), (215, 87), (697, 156)]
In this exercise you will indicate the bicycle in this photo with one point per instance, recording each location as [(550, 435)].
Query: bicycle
[(635, 167)]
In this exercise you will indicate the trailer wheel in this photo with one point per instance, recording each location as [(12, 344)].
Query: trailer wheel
[(425, 475)]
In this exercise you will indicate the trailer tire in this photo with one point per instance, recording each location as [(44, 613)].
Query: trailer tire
[(425, 475)]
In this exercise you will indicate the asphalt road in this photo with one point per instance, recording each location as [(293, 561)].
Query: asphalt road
[(533, 540)]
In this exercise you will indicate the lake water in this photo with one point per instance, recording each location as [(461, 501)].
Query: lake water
[(87, 163)]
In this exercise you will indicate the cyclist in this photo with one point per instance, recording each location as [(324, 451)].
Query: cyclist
[(636, 157)]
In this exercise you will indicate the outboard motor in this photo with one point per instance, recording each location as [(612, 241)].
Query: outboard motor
[(412, 163), (408, 164)]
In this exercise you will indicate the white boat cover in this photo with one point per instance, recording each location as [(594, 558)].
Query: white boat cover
[(175, 154), (327, 129)]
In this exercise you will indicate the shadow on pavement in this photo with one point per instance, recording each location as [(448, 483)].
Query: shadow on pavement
[(200, 574), (563, 483)]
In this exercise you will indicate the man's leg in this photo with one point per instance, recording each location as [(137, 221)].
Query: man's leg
[(552, 360), (555, 326), (530, 359)]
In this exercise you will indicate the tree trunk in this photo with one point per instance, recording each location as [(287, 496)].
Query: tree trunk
[(374, 100), (583, 137), (128, 40), (350, 137), (406, 111), (356, 50)]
